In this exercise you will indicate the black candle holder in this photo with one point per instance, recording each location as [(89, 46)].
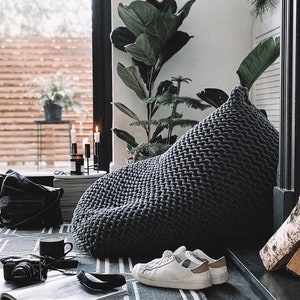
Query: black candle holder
[(87, 154), (73, 148), (97, 156)]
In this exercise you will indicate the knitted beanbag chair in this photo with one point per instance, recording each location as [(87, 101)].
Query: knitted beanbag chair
[(212, 187)]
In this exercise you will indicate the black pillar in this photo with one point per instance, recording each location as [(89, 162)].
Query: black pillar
[(287, 190), (102, 78)]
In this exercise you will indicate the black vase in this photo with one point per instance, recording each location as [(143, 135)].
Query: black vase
[(52, 112)]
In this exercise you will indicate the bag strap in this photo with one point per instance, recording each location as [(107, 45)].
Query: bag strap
[(59, 194), (100, 282), (34, 216)]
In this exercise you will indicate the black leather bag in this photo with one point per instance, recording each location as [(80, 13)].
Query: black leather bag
[(24, 203)]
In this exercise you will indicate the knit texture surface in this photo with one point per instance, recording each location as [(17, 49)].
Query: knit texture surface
[(214, 186)]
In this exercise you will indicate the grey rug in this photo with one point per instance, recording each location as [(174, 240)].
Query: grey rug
[(20, 242)]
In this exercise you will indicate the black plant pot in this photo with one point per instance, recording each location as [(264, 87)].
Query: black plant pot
[(52, 112)]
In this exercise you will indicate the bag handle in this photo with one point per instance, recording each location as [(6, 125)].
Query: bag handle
[(100, 282), (59, 194)]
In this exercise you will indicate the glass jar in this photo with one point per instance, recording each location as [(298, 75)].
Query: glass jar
[(77, 164)]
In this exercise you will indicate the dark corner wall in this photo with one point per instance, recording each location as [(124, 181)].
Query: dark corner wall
[(102, 77), (287, 191)]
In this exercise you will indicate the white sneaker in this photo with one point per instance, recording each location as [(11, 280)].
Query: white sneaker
[(217, 267), (173, 270)]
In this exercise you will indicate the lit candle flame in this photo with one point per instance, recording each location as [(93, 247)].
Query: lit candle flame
[(97, 135)]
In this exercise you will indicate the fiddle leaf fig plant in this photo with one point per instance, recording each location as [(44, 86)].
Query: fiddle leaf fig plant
[(151, 37)]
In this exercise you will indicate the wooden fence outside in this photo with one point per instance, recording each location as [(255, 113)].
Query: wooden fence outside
[(21, 61)]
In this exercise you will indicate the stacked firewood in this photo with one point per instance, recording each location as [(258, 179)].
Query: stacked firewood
[(283, 248)]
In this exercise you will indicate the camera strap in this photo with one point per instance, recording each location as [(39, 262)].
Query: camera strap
[(100, 282)]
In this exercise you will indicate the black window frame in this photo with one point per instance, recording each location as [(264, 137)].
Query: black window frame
[(102, 78), (287, 191)]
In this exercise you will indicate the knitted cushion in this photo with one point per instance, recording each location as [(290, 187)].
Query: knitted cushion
[(213, 186)]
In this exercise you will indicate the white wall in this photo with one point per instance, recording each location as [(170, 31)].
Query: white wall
[(266, 90), (222, 33)]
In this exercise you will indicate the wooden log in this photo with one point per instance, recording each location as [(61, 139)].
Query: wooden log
[(294, 264), (284, 242)]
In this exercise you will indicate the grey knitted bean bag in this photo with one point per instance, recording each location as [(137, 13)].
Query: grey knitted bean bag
[(212, 187)]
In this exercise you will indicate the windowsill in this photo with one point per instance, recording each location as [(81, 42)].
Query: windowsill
[(32, 170)]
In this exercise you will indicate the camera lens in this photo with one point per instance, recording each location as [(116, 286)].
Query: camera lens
[(22, 273)]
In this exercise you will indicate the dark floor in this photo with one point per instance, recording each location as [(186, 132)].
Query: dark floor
[(279, 285), (236, 288)]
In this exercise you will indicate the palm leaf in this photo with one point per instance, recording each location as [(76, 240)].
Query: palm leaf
[(258, 60), (262, 6)]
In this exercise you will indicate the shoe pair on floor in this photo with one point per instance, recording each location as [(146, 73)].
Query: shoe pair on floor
[(182, 269)]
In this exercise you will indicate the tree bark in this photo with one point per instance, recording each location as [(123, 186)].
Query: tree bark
[(283, 244)]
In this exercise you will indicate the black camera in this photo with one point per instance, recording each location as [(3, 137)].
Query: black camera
[(23, 271)]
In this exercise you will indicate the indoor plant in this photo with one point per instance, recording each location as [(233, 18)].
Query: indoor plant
[(254, 64), (57, 93), (262, 6), (151, 37)]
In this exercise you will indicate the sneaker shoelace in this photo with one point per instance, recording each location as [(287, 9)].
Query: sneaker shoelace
[(167, 254)]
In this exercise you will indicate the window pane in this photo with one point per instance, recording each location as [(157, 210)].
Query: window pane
[(38, 39)]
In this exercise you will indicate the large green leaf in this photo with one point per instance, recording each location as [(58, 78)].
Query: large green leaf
[(146, 72), (171, 47), (130, 76), (122, 36), (163, 27), (137, 15), (125, 136), (258, 60), (145, 49), (127, 111), (212, 96)]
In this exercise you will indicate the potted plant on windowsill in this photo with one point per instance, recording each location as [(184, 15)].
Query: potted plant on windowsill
[(56, 94)]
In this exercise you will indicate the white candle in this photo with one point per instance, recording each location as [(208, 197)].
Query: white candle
[(84, 142), (97, 135), (73, 135)]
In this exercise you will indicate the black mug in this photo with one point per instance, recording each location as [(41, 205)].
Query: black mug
[(54, 247)]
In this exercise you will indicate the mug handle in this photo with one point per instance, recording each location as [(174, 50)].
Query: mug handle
[(69, 250)]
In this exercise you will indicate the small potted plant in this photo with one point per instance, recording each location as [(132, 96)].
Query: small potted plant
[(57, 93)]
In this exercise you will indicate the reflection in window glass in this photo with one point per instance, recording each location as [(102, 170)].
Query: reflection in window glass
[(40, 40)]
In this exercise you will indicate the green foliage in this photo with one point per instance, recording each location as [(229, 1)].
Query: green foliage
[(258, 60), (167, 96), (58, 90), (254, 64), (151, 37), (260, 7)]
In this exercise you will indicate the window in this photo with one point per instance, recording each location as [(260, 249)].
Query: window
[(39, 38)]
